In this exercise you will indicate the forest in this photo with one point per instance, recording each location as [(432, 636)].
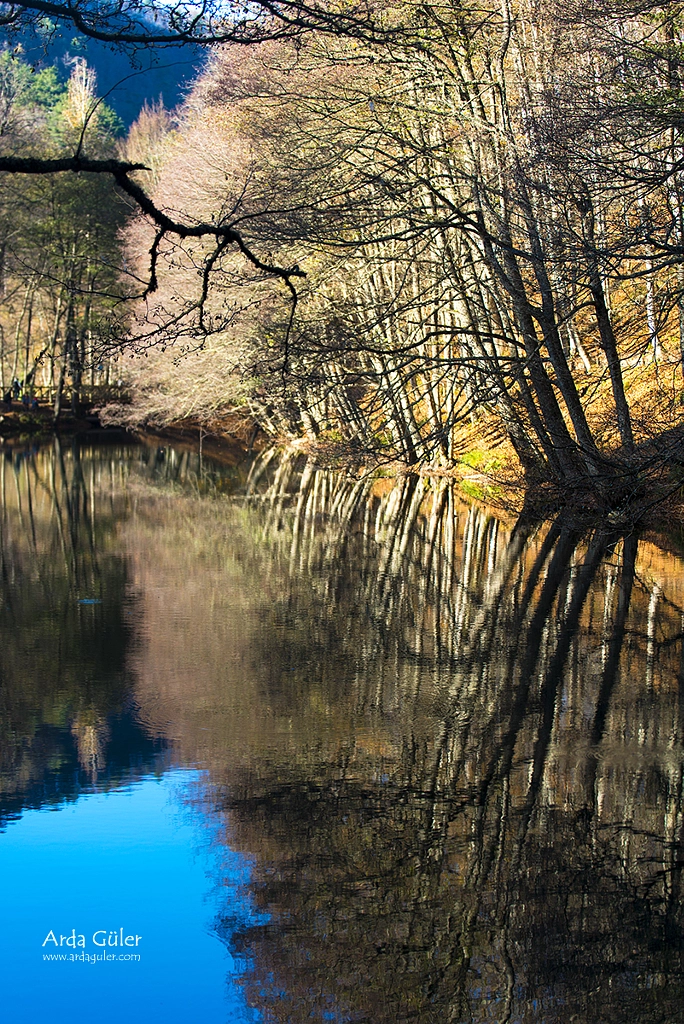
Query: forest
[(425, 234)]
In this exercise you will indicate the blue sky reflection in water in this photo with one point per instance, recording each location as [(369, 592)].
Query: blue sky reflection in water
[(132, 858)]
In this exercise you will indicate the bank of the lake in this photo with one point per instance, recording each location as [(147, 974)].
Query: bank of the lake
[(486, 471)]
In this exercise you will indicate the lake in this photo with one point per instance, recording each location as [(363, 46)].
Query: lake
[(285, 744)]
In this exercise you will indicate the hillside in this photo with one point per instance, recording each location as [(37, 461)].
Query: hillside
[(132, 78)]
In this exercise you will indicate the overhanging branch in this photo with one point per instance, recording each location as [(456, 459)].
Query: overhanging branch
[(121, 171), (207, 23)]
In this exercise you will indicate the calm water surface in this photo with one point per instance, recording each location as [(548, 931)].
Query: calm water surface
[(335, 749)]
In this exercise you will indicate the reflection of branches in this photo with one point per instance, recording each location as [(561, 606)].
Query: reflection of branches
[(610, 672), (501, 837)]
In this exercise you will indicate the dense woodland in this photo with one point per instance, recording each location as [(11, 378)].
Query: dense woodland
[(388, 231), (59, 256)]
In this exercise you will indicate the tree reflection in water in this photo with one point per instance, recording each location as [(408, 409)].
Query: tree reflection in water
[(69, 615), (450, 745), (66, 719), (498, 835)]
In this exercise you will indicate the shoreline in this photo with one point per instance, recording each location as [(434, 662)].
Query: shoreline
[(232, 440)]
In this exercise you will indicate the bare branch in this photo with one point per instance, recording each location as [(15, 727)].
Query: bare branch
[(121, 171), (209, 23)]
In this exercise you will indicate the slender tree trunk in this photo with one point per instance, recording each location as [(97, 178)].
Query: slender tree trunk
[(607, 335)]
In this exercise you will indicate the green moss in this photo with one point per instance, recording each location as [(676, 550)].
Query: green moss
[(481, 461)]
